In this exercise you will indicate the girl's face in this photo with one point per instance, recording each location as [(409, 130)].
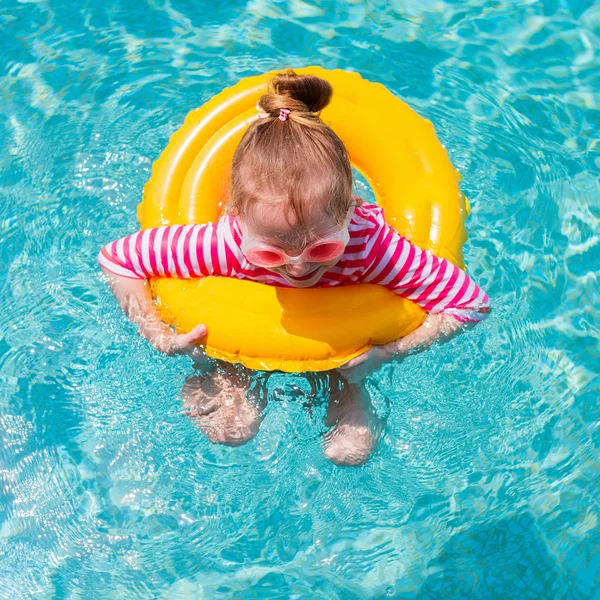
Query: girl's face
[(271, 238)]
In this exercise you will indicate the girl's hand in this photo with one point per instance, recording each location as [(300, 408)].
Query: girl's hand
[(135, 299), (367, 363), (172, 343), (435, 327), (187, 343)]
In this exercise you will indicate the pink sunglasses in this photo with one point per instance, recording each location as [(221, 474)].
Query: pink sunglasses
[(269, 257)]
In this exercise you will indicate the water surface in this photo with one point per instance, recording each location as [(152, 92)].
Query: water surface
[(485, 484)]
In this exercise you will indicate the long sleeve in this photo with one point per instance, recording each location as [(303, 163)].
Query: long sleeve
[(433, 283), (183, 251)]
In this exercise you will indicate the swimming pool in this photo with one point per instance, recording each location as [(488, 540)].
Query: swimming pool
[(486, 482)]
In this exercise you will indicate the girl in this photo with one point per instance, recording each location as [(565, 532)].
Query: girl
[(292, 221)]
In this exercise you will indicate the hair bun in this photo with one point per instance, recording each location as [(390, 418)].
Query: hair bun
[(311, 90), (304, 93)]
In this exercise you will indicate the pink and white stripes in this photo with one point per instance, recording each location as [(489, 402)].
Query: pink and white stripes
[(376, 254)]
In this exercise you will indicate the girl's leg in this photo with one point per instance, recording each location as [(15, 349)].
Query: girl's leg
[(355, 426), (225, 407)]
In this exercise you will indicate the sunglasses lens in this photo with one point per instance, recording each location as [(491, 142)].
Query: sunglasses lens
[(325, 251), (265, 258)]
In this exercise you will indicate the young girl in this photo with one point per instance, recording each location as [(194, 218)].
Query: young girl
[(292, 221)]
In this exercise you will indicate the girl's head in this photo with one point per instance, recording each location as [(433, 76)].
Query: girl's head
[(292, 182)]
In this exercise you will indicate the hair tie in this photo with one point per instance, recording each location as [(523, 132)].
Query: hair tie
[(284, 113)]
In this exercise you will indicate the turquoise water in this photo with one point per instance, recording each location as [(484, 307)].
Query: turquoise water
[(486, 483)]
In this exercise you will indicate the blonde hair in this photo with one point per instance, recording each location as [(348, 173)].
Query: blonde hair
[(299, 160)]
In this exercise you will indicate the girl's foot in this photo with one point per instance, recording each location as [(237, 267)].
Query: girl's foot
[(356, 427), (220, 404)]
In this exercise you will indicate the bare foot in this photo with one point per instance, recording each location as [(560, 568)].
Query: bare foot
[(219, 402), (356, 427)]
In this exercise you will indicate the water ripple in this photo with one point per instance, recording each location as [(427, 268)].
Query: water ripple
[(488, 463)]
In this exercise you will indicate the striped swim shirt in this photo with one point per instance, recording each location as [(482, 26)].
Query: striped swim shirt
[(376, 253)]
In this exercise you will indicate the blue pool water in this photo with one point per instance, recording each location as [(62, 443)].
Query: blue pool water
[(486, 483)]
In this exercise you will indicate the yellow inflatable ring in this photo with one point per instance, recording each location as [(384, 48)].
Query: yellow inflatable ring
[(276, 328)]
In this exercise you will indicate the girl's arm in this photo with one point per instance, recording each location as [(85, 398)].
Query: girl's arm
[(436, 328), (434, 283), (172, 251), (453, 300), (137, 303)]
